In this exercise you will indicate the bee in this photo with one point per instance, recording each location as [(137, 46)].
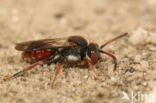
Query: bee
[(62, 50)]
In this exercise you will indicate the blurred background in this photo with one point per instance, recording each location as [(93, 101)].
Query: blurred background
[(26, 19)]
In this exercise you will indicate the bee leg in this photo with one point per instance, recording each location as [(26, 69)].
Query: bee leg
[(113, 57), (92, 67), (24, 70), (56, 73)]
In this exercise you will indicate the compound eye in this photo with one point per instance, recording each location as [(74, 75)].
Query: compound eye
[(94, 57)]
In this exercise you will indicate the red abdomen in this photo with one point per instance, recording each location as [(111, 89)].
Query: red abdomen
[(37, 55)]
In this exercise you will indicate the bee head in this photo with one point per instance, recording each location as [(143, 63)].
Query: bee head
[(93, 52)]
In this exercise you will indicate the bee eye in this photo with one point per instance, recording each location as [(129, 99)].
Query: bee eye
[(94, 57)]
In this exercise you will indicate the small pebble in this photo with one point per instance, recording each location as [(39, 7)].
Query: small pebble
[(137, 58), (131, 70), (152, 48), (52, 67), (144, 64), (144, 83), (86, 76), (113, 78)]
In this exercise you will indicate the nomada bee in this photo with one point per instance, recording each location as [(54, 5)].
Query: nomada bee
[(61, 50)]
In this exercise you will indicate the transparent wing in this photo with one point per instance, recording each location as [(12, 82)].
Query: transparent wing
[(43, 44)]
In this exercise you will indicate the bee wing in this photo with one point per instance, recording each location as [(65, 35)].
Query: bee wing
[(43, 44)]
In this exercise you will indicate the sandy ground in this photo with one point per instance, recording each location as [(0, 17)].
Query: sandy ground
[(96, 20)]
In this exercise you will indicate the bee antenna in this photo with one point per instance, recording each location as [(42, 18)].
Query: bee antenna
[(118, 37), (112, 56)]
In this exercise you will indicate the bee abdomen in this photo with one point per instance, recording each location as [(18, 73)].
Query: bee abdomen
[(37, 55)]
